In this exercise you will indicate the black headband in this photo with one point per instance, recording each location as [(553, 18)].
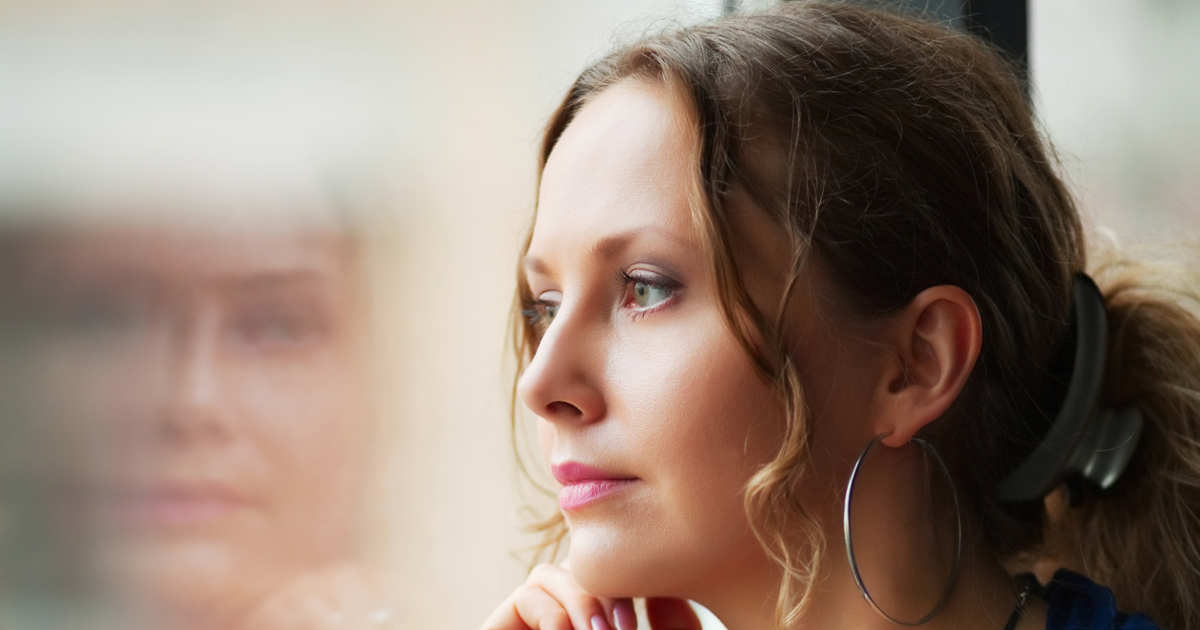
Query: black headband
[(1085, 442)]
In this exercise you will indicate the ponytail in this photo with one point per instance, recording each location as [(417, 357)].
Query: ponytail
[(1143, 538)]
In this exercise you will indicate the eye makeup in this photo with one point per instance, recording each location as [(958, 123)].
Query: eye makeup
[(645, 291), (538, 312), (641, 288)]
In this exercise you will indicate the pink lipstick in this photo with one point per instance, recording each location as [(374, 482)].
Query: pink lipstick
[(174, 505), (583, 484)]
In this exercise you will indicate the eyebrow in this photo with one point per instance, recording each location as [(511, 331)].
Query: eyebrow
[(610, 246)]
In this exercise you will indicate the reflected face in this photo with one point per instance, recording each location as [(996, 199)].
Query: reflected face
[(651, 413), (213, 384)]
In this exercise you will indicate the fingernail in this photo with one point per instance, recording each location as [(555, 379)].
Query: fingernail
[(625, 617), (599, 623)]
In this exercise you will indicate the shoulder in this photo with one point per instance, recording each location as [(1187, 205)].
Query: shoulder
[(1077, 603)]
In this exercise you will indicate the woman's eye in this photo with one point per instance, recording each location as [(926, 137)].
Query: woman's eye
[(276, 330), (102, 316), (541, 311), (646, 295), (645, 291), (273, 331)]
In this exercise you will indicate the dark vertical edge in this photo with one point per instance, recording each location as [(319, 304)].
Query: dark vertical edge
[(1005, 23)]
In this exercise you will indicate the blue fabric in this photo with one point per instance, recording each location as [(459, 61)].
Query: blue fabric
[(1077, 603)]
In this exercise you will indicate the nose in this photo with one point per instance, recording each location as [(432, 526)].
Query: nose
[(196, 406), (561, 384)]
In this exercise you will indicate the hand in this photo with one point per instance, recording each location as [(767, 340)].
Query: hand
[(341, 597), (550, 599)]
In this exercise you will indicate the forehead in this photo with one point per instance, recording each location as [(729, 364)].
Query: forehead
[(625, 161)]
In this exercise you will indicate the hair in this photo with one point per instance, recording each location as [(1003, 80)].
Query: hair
[(901, 154)]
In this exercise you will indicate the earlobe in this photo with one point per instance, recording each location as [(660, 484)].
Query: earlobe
[(937, 339)]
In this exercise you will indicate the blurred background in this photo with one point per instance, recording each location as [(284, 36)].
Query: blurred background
[(258, 261)]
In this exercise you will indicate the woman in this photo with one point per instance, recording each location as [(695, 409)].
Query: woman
[(197, 393), (186, 271), (809, 341)]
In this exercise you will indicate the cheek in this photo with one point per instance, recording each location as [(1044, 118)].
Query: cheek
[(693, 419), (723, 429), (704, 421), (839, 378), (298, 402), (310, 425), (82, 403)]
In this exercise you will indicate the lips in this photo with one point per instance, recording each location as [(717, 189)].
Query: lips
[(584, 484), (175, 504)]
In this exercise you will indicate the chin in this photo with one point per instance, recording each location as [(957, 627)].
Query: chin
[(183, 580), (609, 563)]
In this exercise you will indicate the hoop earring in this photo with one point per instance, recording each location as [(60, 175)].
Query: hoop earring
[(846, 533)]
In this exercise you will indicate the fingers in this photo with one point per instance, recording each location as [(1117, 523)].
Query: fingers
[(550, 599), (528, 608), (546, 613), (671, 614), (586, 612), (623, 615)]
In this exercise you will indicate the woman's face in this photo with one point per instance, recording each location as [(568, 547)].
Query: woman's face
[(651, 413), (211, 385)]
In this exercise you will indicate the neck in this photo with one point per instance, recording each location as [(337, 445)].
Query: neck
[(983, 597), (904, 545)]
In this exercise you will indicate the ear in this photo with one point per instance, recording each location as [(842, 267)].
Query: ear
[(936, 339)]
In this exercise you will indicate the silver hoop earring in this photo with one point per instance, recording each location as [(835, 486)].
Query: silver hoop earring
[(847, 529)]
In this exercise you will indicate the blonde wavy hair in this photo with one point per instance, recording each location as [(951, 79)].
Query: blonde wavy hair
[(903, 155)]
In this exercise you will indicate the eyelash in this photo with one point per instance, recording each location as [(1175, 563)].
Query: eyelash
[(537, 316), (655, 281)]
